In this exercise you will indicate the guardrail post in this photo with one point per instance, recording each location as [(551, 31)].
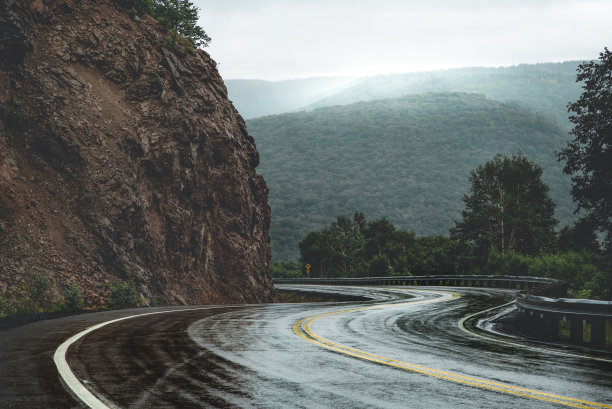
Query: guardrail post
[(563, 326), (529, 321), (549, 324), (553, 326), (598, 332), (576, 329)]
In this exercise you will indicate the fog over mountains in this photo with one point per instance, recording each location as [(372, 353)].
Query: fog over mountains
[(400, 146), (544, 89)]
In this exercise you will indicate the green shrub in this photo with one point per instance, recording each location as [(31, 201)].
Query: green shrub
[(598, 287), (402, 265), (37, 287), (15, 302), (29, 297), (73, 298), (285, 270), (508, 263), (380, 266), (580, 270), (123, 295)]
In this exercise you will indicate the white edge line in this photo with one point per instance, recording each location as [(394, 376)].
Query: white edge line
[(461, 325), (71, 381)]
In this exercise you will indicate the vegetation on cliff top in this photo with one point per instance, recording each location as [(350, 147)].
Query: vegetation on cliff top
[(178, 16)]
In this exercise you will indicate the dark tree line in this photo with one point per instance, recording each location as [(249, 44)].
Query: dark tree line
[(358, 248), (507, 228)]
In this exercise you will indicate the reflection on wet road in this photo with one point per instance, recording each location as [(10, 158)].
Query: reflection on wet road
[(402, 349)]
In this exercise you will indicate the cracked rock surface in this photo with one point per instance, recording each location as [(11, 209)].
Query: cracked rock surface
[(121, 158)]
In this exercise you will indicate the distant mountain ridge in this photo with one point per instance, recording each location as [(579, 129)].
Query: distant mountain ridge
[(407, 159), (255, 98), (544, 88)]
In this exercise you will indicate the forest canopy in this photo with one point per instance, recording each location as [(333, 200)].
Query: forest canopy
[(380, 249), (406, 159), (507, 228)]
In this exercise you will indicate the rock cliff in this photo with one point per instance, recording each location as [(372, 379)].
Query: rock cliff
[(121, 158)]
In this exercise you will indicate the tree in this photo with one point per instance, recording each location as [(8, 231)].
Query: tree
[(439, 255), (123, 295), (380, 266), (181, 17), (178, 16), (580, 237), (73, 298), (508, 208), (379, 234), (345, 241), (589, 156), (314, 252)]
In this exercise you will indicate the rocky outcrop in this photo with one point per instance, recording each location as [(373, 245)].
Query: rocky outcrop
[(121, 157)]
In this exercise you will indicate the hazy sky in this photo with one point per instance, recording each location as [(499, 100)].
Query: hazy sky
[(283, 39)]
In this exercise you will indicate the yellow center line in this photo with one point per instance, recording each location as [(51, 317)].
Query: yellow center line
[(302, 329)]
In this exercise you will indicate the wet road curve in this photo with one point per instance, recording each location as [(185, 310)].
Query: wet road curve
[(402, 349)]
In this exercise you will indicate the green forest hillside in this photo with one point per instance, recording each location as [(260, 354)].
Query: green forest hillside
[(406, 159)]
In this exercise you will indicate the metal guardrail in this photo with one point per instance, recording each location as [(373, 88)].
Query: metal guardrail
[(583, 322), (564, 305), (516, 282), (574, 321)]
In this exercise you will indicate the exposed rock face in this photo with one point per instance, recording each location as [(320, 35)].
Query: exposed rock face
[(122, 158)]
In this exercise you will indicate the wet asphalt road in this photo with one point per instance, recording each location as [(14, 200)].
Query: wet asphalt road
[(253, 356)]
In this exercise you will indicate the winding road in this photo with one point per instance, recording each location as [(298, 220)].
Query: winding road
[(403, 349)]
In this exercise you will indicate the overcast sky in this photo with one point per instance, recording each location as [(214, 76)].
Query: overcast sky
[(284, 39)]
